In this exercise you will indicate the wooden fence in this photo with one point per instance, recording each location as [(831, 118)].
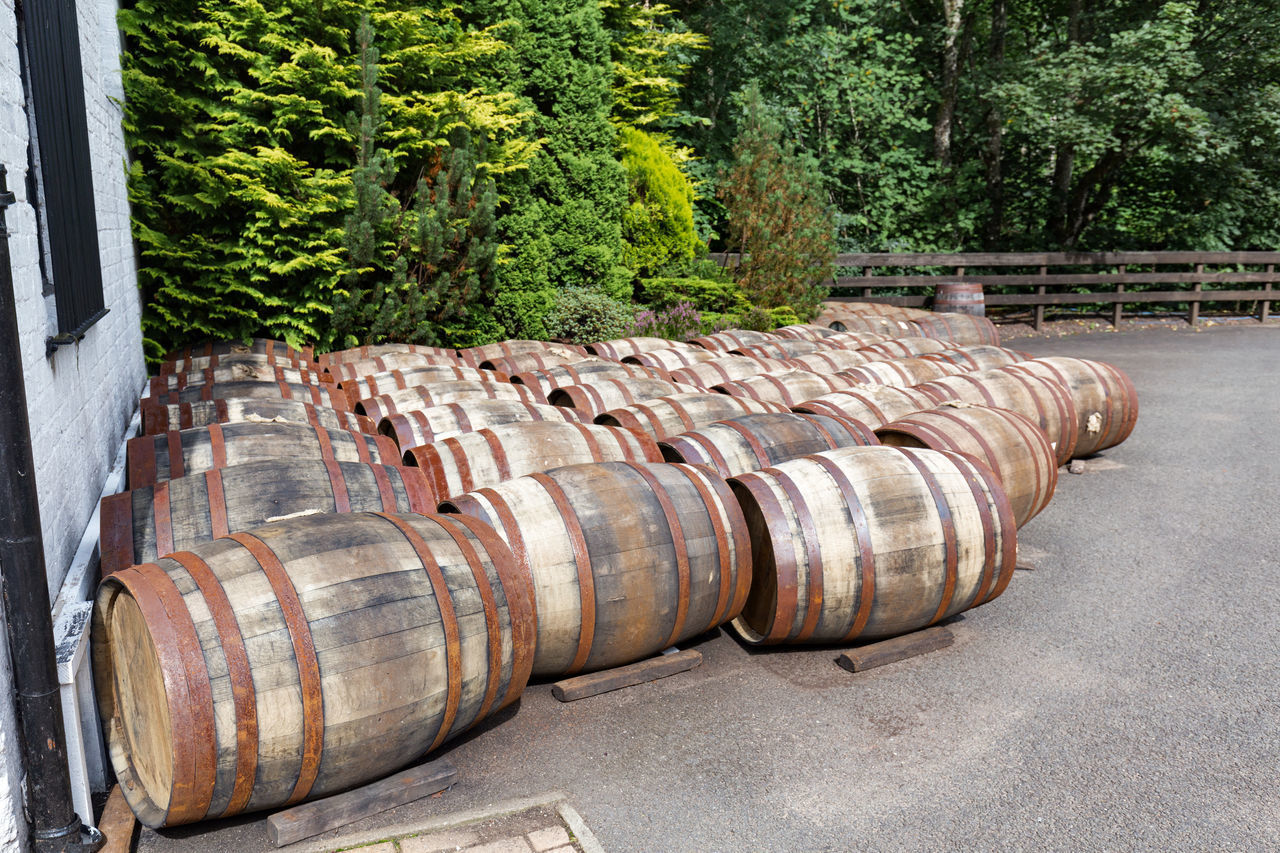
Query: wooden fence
[(1048, 275)]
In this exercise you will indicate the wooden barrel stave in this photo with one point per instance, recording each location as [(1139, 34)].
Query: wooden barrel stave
[(434, 423), (166, 418), (679, 413), (750, 442)]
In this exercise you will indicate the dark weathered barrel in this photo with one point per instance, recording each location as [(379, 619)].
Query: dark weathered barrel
[(959, 297), (867, 542), (155, 458), (278, 351), (903, 372), (980, 357), (620, 348), (474, 356), (613, 587), (779, 348), (364, 353), (598, 396), (316, 395), (679, 413), (733, 339), (342, 371), (727, 369), (1105, 400), (963, 329), (872, 405), (1008, 443), (374, 384), (584, 372), (902, 348), (164, 418), (807, 331), (537, 360), (437, 393), (673, 358), (433, 423), (829, 360), (260, 360), (751, 442), (303, 658), (490, 456), (149, 522), (790, 389)]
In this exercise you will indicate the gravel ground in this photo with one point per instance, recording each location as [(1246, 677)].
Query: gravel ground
[(1123, 694)]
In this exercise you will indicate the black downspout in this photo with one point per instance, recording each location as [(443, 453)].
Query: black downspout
[(55, 827)]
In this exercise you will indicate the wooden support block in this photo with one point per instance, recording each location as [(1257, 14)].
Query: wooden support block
[(308, 819), (117, 823), (625, 676), (896, 649)]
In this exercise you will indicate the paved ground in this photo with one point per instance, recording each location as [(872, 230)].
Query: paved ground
[(1123, 694)]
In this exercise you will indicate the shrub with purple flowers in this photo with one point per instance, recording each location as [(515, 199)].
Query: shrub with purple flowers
[(677, 322)]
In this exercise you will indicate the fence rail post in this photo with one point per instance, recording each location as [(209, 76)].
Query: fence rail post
[(1040, 291), (1119, 306), (1265, 308), (1194, 316)]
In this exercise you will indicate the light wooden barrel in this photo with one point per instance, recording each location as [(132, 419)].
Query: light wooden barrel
[(679, 413), (726, 369), (539, 360), (433, 423), (620, 348), (980, 357), (671, 359), (871, 309), (806, 331), (751, 442), (872, 405), (885, 327), (347, 370), (965, 329), (903, 372), (780, 348), (374, 384), (613, 587), (733, 339), (437, 393), (149, 522), (502, 349), (316, 395), (277, 351), (197, 364), (364, 353), (1008, 443), (303, 658), (584, 372), (829, 360), (852, 340), (959, 297), (790, 389), (155, 458), (1047, 402), (902, 348), (164, 418), (867, 542), (1105, 400), (597, 396), (490, 456)]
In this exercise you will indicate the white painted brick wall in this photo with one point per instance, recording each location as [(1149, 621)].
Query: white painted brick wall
[(80, 400)]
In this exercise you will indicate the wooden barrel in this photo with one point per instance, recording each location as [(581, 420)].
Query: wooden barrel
[(806, 331), (733, 339), (1008, 443), (902, 348), (584, 372), (726, 369), (1047, 402), (829, 360), (421, 396), (871, 309), (671, 359), (851, 340), (872, 405), (153, 459), (164, 418), (487, 457), (959, 297), (598, 396), (751, 442), (149, 522), (394, 380), (964, 329), (790, 389), (613, 587), (196, 364), (976, 358), (903, 372), (278, 352), (474, 356), (679, 413), (619, 348), (885, 327), (406, 361), (867, 542), (433, 423), (780, 348), (539, 360), (364, 353), (304, 658), (316, 395), (1105, 400), (236, 372)]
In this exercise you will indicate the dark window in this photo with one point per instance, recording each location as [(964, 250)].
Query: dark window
[(50, 40)]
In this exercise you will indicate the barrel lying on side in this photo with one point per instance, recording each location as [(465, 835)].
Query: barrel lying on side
[(679, 413), (872, 405), (750, 442), (142, 524), (277, 352), (732, 339), (155, 458), (316, 395), (487, 457), (364, 353), (867, 542), (965, 329), (1105, 400), (475, 356), (538, 360), (599, 396), (673, 358), (374, 384), (779, 348), (806, 331), (620, 348), (236, 372), (433, 423), (730, 368), (980, 357), (303, 658), (788, 388), (902, 348), (345, 370), (829, 360), (611, 586), (903, 372), (164, 418), (583, 372), (437, 393), (1006, 442)]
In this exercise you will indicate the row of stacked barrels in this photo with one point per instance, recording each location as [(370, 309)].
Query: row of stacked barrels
[(325, 566)]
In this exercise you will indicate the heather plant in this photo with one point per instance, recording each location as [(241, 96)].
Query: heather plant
[(678, 322)]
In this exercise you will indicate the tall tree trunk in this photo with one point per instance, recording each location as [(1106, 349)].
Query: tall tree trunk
[(953, 11), (1065, 157), (995, 132)]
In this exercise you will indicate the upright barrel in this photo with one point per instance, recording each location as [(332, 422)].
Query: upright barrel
[(959, 297), (303, 658)]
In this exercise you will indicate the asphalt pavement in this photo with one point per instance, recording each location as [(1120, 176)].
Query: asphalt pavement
[(1123, 693)]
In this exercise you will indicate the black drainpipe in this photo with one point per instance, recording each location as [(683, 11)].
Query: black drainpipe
[(55, 827)]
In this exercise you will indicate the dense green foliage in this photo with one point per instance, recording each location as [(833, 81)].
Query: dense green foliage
[(505, 167)]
